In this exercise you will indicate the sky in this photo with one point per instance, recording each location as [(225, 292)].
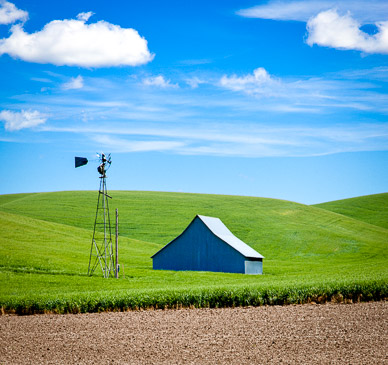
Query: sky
[(277, 99)]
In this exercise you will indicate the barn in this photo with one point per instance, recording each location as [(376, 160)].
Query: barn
[(208, 245)]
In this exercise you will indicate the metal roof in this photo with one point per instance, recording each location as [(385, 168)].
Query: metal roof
[(221, 231)]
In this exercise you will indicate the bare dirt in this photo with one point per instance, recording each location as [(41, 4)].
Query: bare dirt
[(303, 334)]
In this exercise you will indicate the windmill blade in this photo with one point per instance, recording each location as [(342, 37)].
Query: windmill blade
[(80, 161), (108, 159)]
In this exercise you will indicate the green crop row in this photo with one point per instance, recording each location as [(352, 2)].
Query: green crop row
[(199, 298)]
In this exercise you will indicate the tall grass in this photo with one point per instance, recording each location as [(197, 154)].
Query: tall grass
[(199, 298)]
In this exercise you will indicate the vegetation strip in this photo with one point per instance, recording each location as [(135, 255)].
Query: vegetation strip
[(215, 298)]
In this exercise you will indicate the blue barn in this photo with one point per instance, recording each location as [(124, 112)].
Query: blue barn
[(208, 245)]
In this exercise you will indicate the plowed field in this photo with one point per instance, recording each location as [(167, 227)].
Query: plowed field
[(303, 334)]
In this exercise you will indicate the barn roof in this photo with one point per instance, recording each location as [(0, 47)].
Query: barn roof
[(219, 229), (222, 232)]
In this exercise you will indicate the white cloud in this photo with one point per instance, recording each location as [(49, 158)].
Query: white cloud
[(74, 83), (195, 81), (285, 10), (363, 11), (194, 62), (302, 116), (239, 140), (158, 81), (9, 13), (15, 121), (85, 16), (117, 144), (322, 95), (260, 82), (73, 43), (325, 25), (330, 29)]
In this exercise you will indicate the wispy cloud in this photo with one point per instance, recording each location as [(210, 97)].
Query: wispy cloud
[(72, 42), (319, 94), (74, 83), (364, 11), (260, 82), (195, 81), (41, 79), (122, 145), (85, 16), (376, 73), (248, 115), (15, 121), (158, 81), (202, 61), (9, 13), (226, 96), (244, 140)]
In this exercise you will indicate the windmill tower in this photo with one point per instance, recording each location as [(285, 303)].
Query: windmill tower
[(101, 250)]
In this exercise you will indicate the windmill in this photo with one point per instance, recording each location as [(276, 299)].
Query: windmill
[(101, 250)]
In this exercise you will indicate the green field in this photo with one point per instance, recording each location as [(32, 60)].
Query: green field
[(371, 209), (332, 251)]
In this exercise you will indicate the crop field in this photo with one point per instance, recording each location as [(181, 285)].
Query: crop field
[(335, 251)]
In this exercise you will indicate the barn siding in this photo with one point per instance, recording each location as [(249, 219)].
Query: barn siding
[(254, 267), (197, 248)]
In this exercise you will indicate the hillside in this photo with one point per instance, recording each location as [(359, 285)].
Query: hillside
[(277, 229), (372, 209), (46, 240)]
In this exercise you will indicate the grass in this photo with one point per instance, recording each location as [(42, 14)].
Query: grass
[(311, 252), (371, 209)]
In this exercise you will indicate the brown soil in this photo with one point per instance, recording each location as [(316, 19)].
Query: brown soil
[(305, 334)]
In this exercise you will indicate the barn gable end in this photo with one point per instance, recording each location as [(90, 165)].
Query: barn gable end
[(207, 245)]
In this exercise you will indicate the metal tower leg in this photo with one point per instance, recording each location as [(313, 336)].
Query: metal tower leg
[(101, 251)]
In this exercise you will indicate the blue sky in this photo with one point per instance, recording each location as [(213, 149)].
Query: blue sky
[(279, 99)]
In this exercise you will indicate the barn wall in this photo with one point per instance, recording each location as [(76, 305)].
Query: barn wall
[(200, 250), (254, 267)]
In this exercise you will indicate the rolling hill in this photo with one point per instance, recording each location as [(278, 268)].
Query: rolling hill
[(372, 209), (46, 241)]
